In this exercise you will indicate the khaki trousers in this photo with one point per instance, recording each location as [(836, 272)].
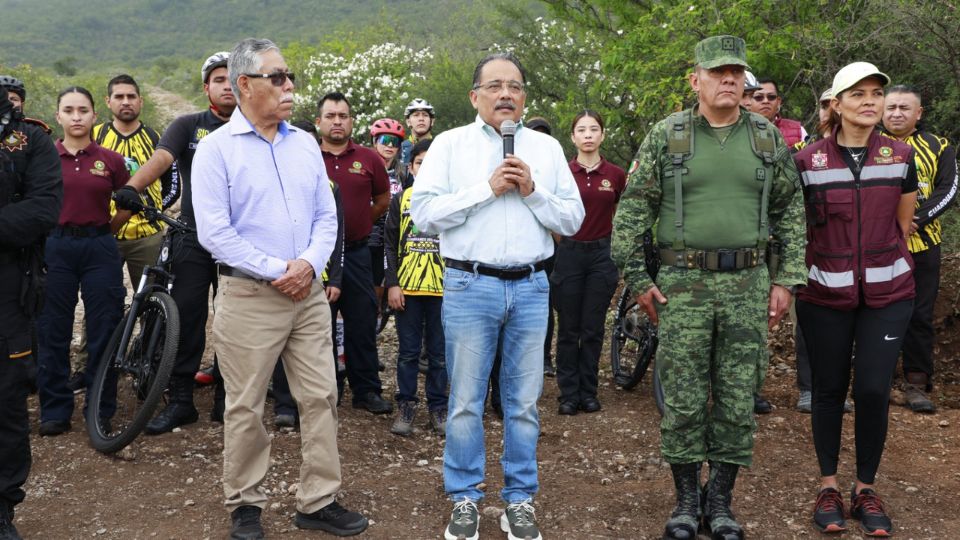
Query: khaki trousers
[(254, 325)]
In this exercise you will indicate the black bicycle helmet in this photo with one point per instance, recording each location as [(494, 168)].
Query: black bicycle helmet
[(13, 84)]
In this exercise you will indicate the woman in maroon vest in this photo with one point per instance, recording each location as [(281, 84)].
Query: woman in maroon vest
[(584, 277), (860, 191)]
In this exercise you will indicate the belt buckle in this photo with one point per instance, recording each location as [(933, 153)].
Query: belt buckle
[(698, 259), (726, 259)]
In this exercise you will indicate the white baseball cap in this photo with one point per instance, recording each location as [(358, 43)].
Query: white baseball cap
[(851, 74)]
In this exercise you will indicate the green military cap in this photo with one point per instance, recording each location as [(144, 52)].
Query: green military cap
[(721, 51)]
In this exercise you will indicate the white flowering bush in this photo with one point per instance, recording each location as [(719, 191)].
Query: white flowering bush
[(566, 74), (378, 82)]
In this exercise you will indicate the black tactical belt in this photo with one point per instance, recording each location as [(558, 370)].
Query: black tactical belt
[(230, 271), (80, 231), (716, 260), (510, 274)]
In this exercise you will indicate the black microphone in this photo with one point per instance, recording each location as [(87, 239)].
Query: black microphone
[(508, 128)]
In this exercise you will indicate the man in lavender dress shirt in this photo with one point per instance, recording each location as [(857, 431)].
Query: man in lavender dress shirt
[(265, 211)]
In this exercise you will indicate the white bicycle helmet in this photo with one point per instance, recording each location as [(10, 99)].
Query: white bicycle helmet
[(216, 60), (418, 104)]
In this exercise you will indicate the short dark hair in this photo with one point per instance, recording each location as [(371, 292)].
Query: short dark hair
[(306, 125), (768, 80), (76, 90), (123, 78), (904, 89), (584, 114), (538, 123), (334, 97), (508, 56), (422, 146)]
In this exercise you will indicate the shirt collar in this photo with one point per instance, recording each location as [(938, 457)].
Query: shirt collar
[(578, 167), (488, 129), (62, 150), (240, 124)]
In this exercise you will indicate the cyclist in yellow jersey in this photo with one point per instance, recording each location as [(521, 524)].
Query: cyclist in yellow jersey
[(414, 281), (138, 239), (936, 161)]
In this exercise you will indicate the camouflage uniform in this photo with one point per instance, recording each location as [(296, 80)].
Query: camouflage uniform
[(713, 329)]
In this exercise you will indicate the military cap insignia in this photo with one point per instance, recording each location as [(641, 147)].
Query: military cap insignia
[(728, 44), (819, 160), (17, 140)]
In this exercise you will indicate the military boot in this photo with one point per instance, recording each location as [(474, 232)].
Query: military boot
[(718, 493), (915, 392), (683, 522), (179, 411)]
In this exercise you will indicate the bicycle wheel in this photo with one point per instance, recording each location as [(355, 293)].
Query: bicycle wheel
[(132, 375), (632, 342)]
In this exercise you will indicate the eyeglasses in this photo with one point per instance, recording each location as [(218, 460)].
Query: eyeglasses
[(514, 87), (759, 97), (277, 78), (387, 140)]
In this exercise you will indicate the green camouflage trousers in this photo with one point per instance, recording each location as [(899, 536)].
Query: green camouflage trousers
[(713, 335)]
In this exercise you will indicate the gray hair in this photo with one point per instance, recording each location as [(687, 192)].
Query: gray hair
[(245, 58), (508, 56)]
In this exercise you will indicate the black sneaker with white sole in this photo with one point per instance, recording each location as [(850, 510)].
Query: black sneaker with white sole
[(464, 522), (519, 521)]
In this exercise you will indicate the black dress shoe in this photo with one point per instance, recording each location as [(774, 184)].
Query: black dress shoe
[(590, 405), (372, 402), (549, 371), (761, 405), (246, 524), (173, 415), (334, 519), (567, 408), (52, 428)]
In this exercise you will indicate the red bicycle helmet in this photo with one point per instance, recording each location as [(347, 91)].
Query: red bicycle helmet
[(387, 126)]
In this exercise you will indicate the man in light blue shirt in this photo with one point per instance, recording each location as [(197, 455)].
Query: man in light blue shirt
[(494, 216), (265, 212)]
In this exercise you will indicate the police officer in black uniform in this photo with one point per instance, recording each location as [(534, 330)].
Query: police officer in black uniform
[(31, 191)]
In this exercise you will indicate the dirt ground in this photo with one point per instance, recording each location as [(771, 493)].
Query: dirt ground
[(600, 475)]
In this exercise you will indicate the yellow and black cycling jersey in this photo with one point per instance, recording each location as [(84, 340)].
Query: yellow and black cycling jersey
[(413, 257), (136, 149), (936, 161)]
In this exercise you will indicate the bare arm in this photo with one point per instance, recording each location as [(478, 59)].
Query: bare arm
[(158, 164), (905, 210), (380, 204)]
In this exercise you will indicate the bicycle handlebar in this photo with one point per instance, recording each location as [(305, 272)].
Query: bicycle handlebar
[(154, 214)]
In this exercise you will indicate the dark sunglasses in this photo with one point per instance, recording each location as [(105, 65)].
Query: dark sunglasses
[(387, 140), (758, 97), (277, 78)]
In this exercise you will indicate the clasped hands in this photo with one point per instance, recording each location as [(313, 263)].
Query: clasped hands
[(296, 281), (512, 174)]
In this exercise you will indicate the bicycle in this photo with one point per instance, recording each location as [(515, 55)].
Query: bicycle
[(633, 346), (136, 366)]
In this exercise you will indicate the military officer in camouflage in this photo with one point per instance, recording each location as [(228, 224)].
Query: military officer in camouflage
[(714, 181)]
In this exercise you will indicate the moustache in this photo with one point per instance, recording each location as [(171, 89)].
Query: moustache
[(506, 105)]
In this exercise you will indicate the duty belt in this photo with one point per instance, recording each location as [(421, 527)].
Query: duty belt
[(717, 260)]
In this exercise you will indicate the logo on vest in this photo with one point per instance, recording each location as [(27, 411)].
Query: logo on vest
[(819, 160), (357, 168), (886, 155), (17, 140)]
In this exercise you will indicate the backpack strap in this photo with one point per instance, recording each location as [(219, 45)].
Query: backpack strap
[(679, 149)]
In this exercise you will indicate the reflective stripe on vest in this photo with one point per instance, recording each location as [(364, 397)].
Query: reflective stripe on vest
[(829, 176), (872, 172), (834, 280), (887, 273)]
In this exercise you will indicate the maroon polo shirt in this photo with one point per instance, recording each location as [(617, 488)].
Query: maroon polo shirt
[(89, 178), (361, 175), (600, 190)]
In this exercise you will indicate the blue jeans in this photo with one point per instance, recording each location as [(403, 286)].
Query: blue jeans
[(480, 314), (421, 317)]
